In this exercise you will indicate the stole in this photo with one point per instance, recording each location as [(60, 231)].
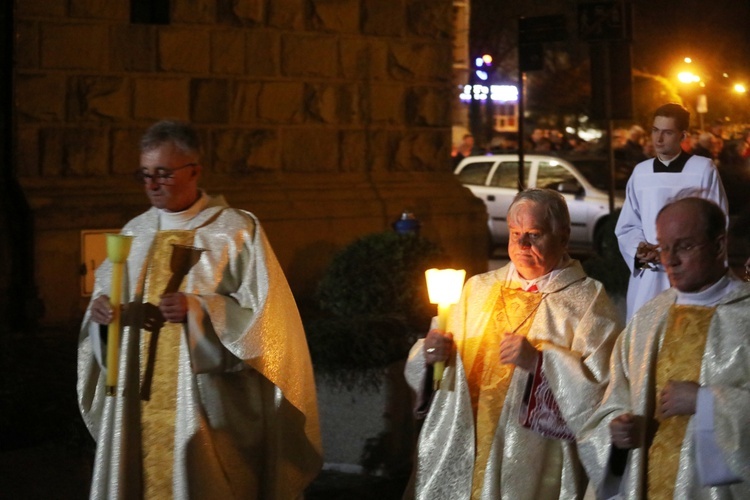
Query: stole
[(512, 313), (679, 358), (159, 373)]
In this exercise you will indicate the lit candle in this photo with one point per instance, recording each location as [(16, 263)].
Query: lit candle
[(118, 248), (444, 288)]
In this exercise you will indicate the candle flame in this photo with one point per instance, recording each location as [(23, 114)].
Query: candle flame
[(444, 285)]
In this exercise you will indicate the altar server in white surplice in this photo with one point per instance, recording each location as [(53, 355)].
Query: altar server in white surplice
[(655, 182)]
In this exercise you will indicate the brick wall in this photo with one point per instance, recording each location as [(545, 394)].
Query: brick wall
[(324, 117)]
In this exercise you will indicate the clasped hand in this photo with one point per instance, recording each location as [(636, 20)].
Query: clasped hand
[(517, 350), (437, 346), (676, 398), (514, 349), (647, 253), (173, 306)]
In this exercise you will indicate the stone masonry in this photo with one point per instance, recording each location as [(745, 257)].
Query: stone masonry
[(326, 118)]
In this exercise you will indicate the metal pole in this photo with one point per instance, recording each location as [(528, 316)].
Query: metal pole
[(610, 125), (521, 87)]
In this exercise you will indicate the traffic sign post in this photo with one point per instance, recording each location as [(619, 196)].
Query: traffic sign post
[(607, 27), (602, 21), (532, 33)]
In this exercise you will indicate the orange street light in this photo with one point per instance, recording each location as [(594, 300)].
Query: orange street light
[(688, 77)]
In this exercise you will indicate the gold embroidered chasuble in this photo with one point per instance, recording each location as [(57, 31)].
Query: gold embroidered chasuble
[(651, 350), (158, 411), (488, 380), (575, 326), (242, 415), (679, 359)]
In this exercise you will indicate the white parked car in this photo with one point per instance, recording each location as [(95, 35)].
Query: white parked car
[(494, 179)]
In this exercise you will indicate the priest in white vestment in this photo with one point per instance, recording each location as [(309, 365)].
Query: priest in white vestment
[(216, 396), (537, 325), (674, 423), (652, 184)]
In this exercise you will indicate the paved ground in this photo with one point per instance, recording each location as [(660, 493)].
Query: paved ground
[(52, 471)]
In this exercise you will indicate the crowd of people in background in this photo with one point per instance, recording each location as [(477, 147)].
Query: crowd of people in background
[(728, 147)]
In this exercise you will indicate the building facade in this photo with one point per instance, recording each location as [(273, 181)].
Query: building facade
[(326, 118)]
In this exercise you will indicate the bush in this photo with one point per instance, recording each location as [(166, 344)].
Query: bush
[(374, 301), (352, 352), (381, 274)]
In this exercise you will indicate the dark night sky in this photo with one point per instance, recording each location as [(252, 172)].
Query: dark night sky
[(713, 32)]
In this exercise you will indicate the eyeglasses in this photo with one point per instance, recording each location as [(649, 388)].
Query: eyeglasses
[(680, 249), (162, 175)]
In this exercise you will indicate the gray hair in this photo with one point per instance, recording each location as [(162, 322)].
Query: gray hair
[(554, 204), (181, 134)]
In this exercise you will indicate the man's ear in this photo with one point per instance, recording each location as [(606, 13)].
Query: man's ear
[(721, 246), (565, 237)]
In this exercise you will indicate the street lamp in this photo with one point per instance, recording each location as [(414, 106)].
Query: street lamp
[(688, 77)]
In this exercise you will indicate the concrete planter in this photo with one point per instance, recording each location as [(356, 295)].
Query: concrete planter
[(371, 431)]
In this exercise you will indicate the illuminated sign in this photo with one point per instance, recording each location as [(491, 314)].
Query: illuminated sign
[(499, 93)]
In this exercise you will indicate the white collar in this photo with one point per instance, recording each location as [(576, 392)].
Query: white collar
[(515, 280), (180, 220), (669, 160), (711, 295)]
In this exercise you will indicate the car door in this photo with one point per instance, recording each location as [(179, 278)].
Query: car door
[(503, 187), (557, 176), (473, 174)]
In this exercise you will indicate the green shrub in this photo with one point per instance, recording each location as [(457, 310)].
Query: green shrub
[(374, 301), (352, 352), (381, 274)]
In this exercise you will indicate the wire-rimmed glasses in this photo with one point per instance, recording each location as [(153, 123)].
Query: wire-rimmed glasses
[(161, 175)]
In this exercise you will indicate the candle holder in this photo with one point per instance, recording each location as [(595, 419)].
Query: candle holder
[(183, 258)]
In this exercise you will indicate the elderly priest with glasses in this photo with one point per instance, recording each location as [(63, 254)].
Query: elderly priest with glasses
[(215, 396), (674, 422), (526, 351)]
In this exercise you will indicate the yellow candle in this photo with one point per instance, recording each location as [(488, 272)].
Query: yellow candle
[(118, 248), (439, 367), (444, 288)]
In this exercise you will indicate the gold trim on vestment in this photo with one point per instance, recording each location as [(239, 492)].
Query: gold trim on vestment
[(513, 311), (158, 413), (679, 359)]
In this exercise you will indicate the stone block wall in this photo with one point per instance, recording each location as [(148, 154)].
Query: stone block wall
[(326, 118)]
